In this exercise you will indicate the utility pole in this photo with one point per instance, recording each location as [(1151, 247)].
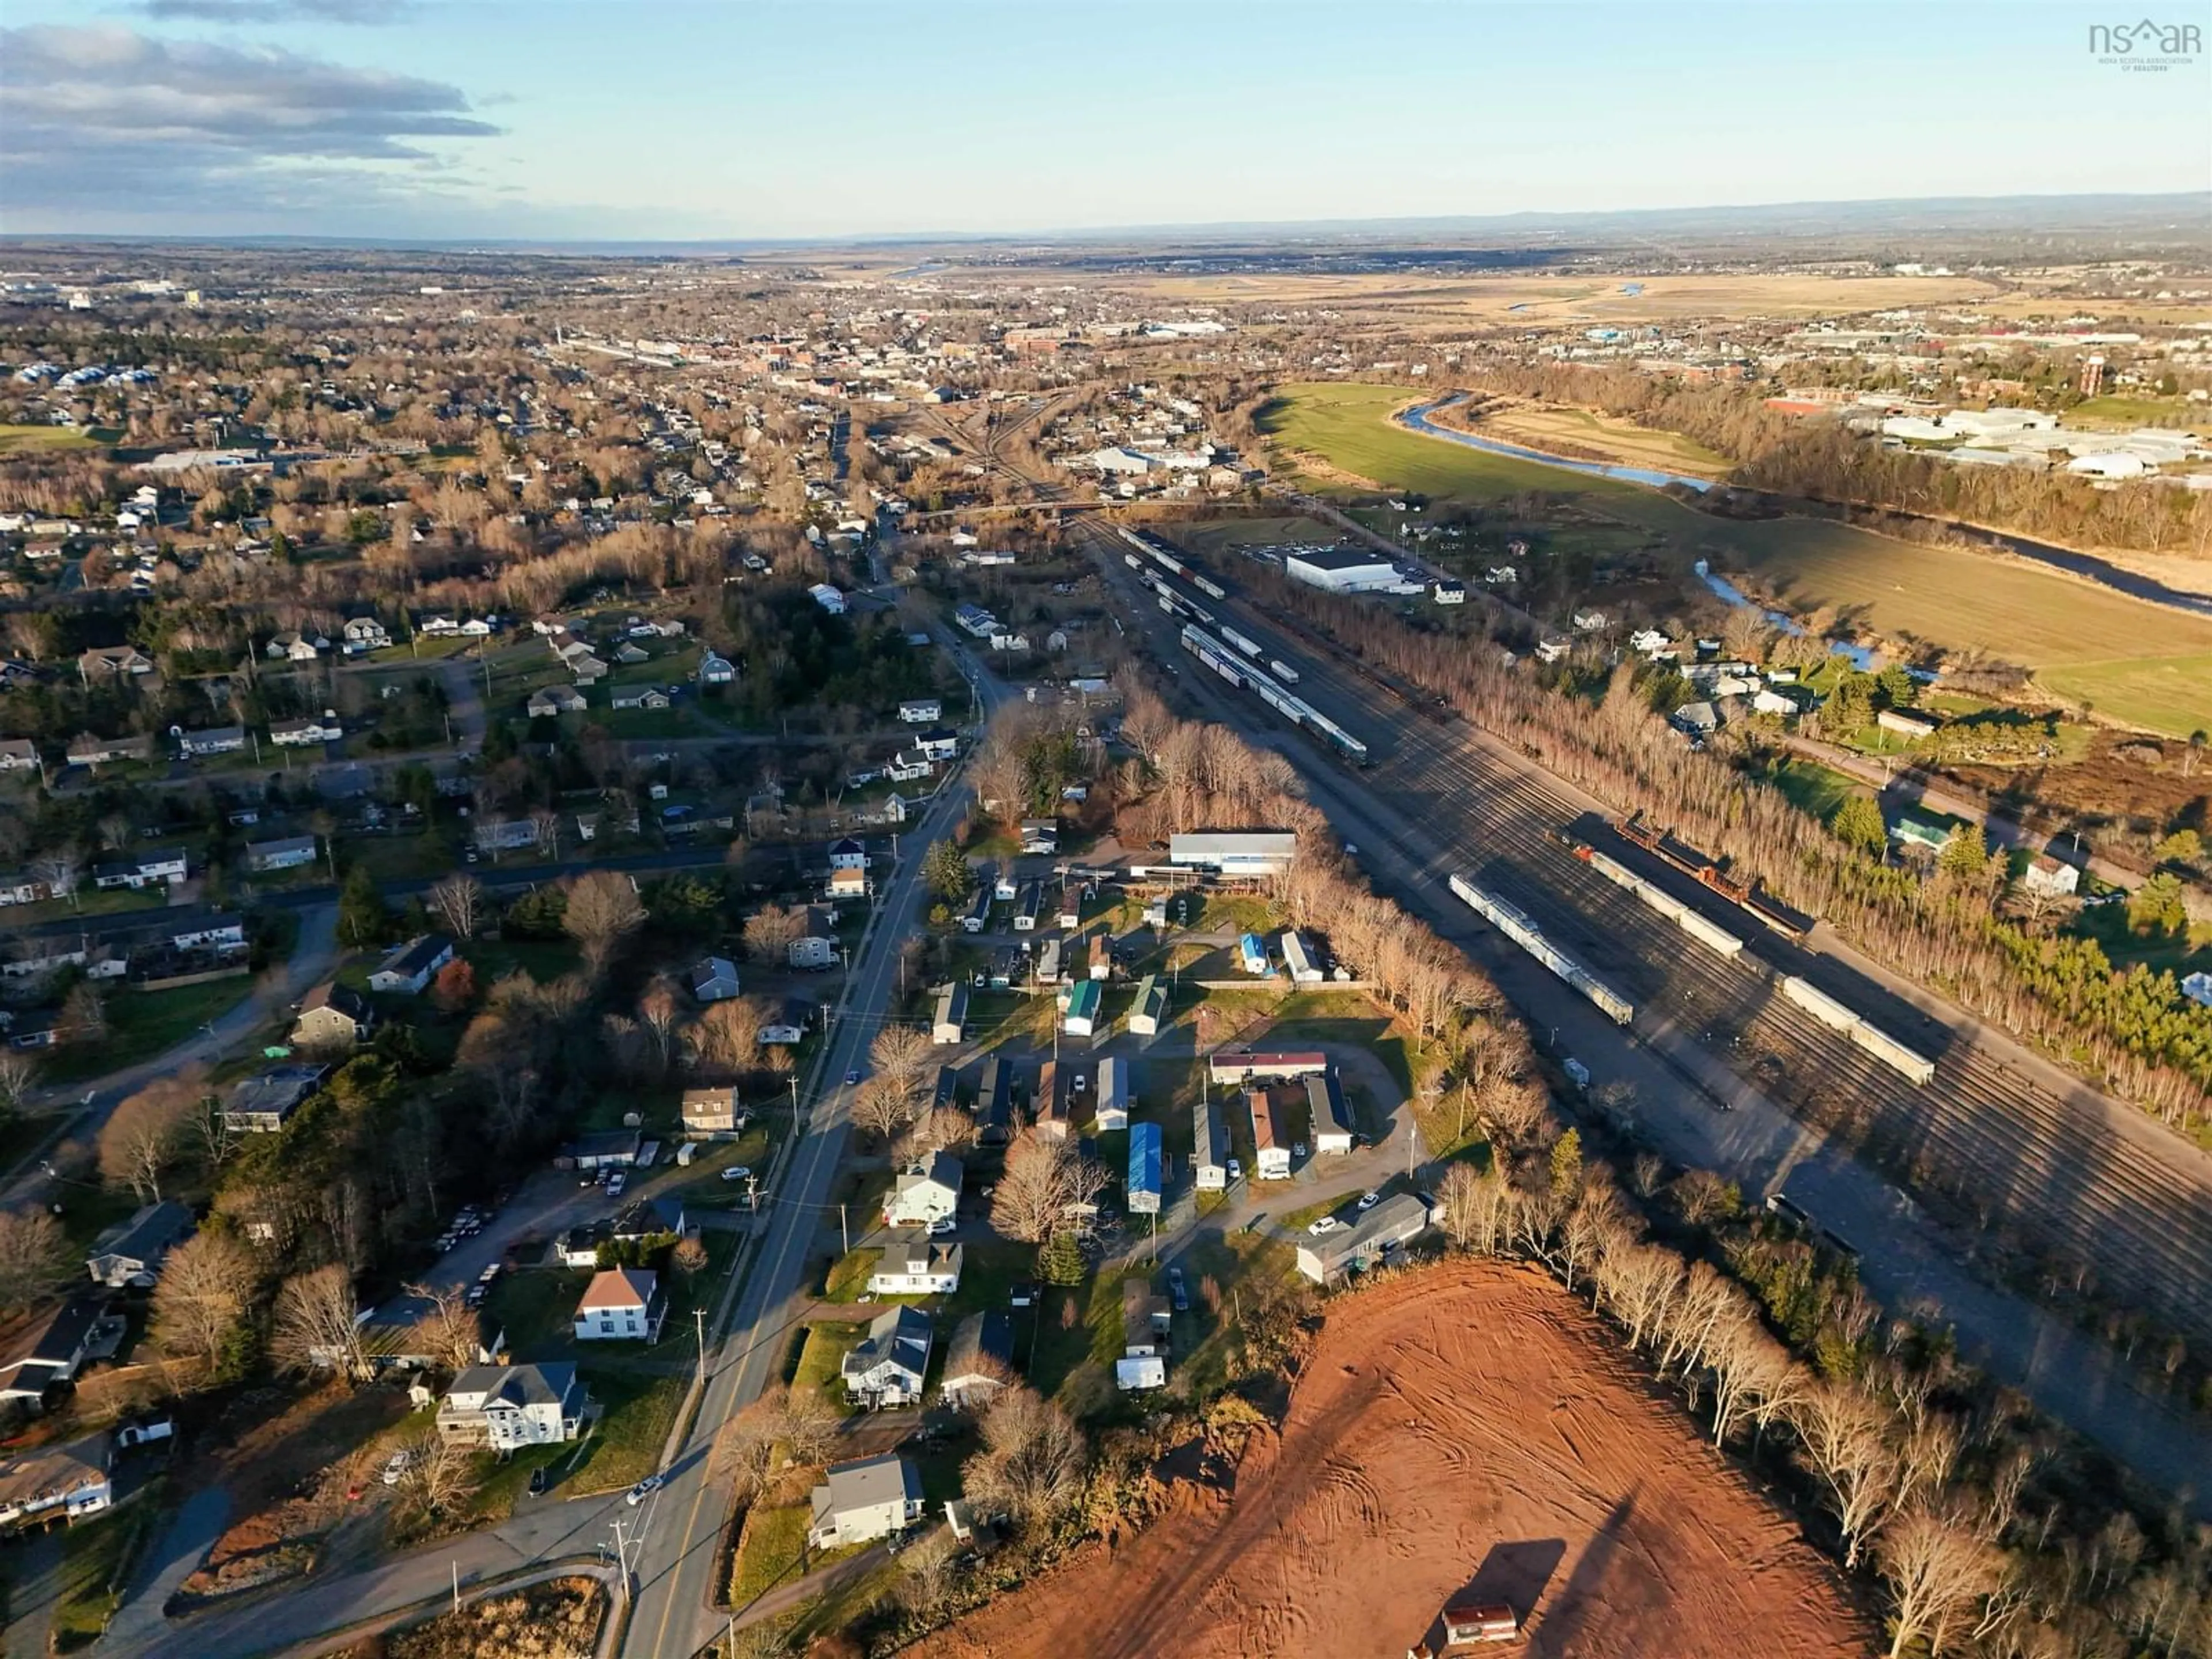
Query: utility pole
[(457, 1584), (752, 1194), (845, 1231), (699, 1315)]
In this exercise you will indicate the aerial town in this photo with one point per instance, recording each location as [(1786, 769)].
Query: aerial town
[(1334, 939)]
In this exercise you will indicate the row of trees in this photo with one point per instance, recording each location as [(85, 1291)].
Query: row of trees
[(2146, 1040)]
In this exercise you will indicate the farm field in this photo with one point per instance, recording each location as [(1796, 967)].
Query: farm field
[(1542, 426), (2146, 661), (1552, 298), (1468, 1424)]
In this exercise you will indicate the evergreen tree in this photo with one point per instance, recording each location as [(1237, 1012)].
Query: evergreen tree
[(1857, 823), (1059, 1261), (363, 919), (945, 871), (1567, 1164)]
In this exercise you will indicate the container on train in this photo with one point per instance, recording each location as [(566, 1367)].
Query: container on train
[(1284, 671), (1887, 1049), (1819, 1003), (1710, 934)]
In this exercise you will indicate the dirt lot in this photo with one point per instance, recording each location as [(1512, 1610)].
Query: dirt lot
[(1472, 1426)]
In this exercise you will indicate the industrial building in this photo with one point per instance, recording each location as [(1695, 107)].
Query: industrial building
[(1342, 569), (1259, 853)]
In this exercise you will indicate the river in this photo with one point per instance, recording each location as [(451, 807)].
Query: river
[(2088, 566)]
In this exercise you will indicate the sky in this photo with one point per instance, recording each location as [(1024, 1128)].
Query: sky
[(742, 119)]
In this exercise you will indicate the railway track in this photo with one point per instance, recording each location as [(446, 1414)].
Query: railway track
[(1980, 1140), (1979, 1135)]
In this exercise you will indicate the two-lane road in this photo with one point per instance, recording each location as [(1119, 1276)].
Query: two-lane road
[(678, 1542)]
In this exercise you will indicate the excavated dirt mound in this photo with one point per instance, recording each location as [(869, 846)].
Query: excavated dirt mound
[(1469, 1428)]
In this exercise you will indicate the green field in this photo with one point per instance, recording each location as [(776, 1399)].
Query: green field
[(41, 437), (1227, 535), (2173, 695), (2136, 411), (2082, 640)]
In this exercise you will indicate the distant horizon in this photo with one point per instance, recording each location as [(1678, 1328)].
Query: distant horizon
[(1868, 213), (839, 121)]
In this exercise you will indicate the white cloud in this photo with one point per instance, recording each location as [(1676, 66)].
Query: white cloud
[(282, 11), (107, 124)]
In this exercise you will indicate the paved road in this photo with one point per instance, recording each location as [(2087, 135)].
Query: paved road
[(679, 1543), (314, 954), (1908, 1262)]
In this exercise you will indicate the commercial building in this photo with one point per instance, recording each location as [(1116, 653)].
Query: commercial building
[(1246, 853), (1340, 569)]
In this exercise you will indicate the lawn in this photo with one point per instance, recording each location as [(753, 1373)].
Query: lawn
[(1920, 595), (627, 1441), (772, 1550), (91, 1554), (98, 901), (2168, 694), (1814, 788), (822, 1359), (535, 1308), (142, 1024), (1228, 535), (848, 1276), (14, 436)]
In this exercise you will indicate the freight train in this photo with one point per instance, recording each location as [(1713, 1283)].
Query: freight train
[(1514, 923), (1210, 650), (1749, 896)]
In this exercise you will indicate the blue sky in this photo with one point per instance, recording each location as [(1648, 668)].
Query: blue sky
[(741, 119)]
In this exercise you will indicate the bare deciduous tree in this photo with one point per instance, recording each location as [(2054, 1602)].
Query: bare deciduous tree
[(926, 1582), (34, 1258), (141, 1135), (1939, 1572), (18, 1072), (440, 1476), (312, 1325), (1032, 1464), (727, 1037), (902, 1055), (458, 902), (205, 1287), (603, 910), (1046, 1186), (1847, 1440), (881, 1107), (450, 1331), (769, 932)]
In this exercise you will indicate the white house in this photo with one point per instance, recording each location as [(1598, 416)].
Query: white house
[(848, 854), (950, 1025), (921, 711), (924, 1193), (2053, 877), (288, 853), (554, 700), (828, 597), (887, 1366), (1271, 1145), (979, 1360), (409, 968), (917, 1268), (364, 633), (300, 733), (864, 1499), (1368, 1242), (1112, 1101), (69, 1478), (1298, 958), (715, 669), (211, 740), (508, 1407), (1331, 1115), (621, 1304), (163, 865), (817, 945), (1209, 1144)]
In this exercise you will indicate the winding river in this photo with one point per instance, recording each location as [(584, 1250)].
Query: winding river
[(2088, 566)]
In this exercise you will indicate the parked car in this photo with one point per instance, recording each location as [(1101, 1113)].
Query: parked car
[(1236, 1170), (395, 1466), (615, 1187), (1178, 1295), (851, 1079), (643, 1490), (1327, 1224), (737, 1172), (540, 1478), (941, 1226), (1368, 1200)]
